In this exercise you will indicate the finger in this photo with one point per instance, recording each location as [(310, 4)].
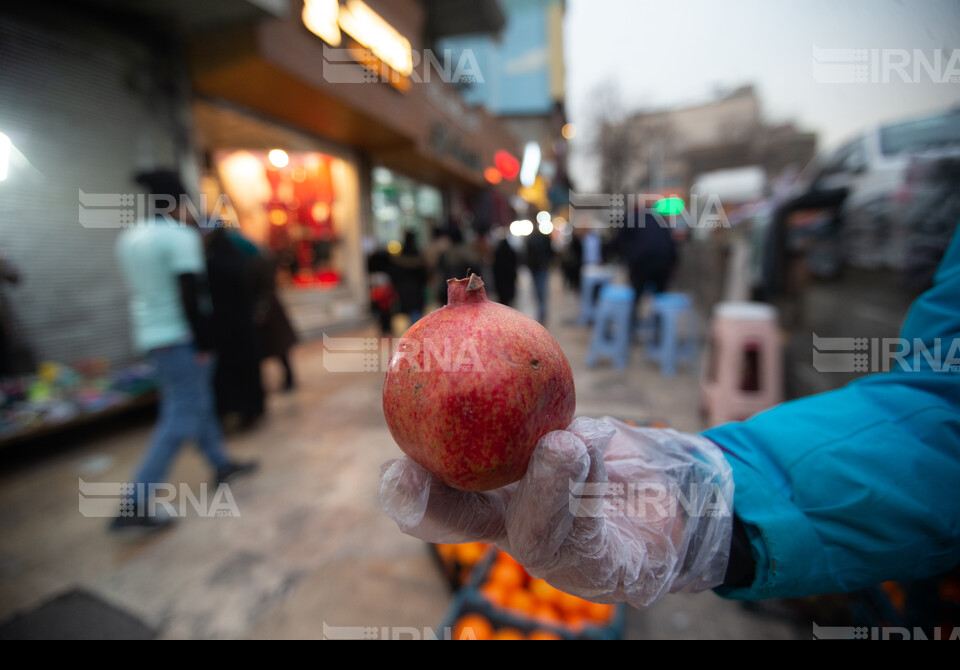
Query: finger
[(538, 516), (587, 531), (595, 435), (425, 508)]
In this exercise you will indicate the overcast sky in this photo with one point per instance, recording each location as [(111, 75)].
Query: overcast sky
[(666, 53)]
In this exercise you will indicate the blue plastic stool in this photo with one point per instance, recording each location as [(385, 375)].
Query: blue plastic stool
[(591, 280), (671, 337), (645, 326), (611, 330)]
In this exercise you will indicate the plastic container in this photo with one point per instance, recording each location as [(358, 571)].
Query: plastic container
[(457, 561)]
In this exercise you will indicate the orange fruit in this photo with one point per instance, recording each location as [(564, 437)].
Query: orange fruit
[(470, 553), (547, 613), (472, 627), (545, 592), (521, 601), (504, 557), (508, 634), (574, 622), (569, 604), (496, 592), (543, 635), (597, 612), (511, 576)]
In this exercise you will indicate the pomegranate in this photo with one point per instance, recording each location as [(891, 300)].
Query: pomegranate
[(472, 387)]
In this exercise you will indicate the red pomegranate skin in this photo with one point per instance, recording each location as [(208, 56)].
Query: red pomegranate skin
[(473, 386)]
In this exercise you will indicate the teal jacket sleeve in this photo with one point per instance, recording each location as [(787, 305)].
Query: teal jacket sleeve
[(847, 489)]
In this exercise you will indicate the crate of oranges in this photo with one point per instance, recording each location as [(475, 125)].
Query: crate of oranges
[(514, 605), (457, 561), (471, 618)]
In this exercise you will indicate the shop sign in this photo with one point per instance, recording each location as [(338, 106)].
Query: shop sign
[(369, 34)]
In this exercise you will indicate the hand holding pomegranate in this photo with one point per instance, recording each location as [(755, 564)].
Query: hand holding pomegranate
[(605, 511)]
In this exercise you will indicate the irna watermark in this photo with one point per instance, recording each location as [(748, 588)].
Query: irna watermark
[(396, 633), (648, 501), (110, 499), (340, 66), (882, 633), (638, 210), (883, 354), (370, 354), (885, 66), (130, 210)]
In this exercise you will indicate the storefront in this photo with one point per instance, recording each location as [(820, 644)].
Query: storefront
[(298, 198), (402, 205), (239, 101), (365, 149)]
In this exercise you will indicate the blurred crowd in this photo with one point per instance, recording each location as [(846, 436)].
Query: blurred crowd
[(412, 279)]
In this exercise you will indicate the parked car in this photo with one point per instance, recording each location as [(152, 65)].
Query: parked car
[(850, 249), (873, 170)]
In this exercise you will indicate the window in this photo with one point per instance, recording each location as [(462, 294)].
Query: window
[(916, 136), (401, 205)]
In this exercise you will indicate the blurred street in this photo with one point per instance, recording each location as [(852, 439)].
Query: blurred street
[(738, 220), (311, 546)]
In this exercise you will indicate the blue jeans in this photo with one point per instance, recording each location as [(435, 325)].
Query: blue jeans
[(187, 412), (541, 285)]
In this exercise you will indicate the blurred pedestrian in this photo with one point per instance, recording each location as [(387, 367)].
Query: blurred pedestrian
[(162, 261), (237, 293), (573, 262), (505, 265), (409, 272), (383, 296), (276, 334), (433, 253), (650, 253), (539, 257), (15, 356), (592, 248)]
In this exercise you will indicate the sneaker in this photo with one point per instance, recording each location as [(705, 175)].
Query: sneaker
[(231, 471), (147, 524)]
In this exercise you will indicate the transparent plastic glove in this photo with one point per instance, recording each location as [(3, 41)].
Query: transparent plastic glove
[(606, 511)]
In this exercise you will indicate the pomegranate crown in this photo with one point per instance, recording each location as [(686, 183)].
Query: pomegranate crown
[(466, 290)]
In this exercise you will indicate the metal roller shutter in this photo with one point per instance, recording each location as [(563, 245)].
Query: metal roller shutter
[(79, 106)]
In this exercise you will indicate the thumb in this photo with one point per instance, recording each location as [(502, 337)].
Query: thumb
[(539, 516)]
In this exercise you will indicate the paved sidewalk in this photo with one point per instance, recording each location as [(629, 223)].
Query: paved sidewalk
[(310, 546)]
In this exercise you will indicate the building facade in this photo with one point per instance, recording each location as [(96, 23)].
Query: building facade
[(376, 138), (650, 152), (524, 86), (323, 129), (363, 150)]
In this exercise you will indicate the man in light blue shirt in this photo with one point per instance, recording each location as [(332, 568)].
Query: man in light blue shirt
[(163, 263), (153, 256)]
